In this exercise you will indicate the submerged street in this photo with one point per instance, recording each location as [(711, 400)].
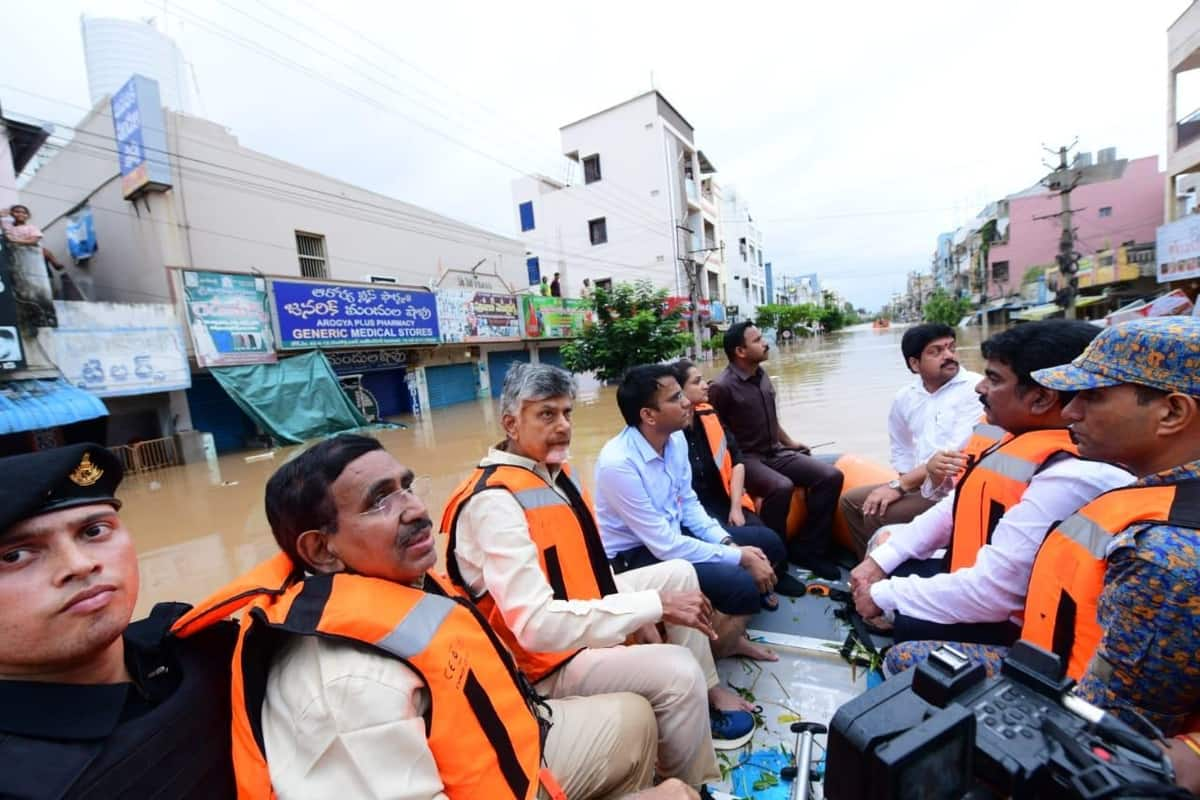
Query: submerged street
[(200, 525)]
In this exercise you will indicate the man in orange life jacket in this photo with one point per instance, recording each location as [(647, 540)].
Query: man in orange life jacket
[(91, 705), (360, 674), (1114, 587), (524, 544), (995, 520)]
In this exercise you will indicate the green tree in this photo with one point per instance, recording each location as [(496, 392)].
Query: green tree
[(632, 327), (941, 307)]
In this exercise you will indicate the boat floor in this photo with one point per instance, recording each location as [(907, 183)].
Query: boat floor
[(809, 682)]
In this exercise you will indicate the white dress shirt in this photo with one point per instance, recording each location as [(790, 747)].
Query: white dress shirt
[(993, 590), (921, 422), (496, 555), (643, 499)]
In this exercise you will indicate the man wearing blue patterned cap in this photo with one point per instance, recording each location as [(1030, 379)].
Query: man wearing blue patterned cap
[(91, 705), (1114, 587)]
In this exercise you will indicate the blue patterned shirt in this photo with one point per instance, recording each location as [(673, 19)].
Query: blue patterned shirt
[(1148, 659)]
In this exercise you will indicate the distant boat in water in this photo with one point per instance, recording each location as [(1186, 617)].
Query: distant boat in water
[(881, 323)]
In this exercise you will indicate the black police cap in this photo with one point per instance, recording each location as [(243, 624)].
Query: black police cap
[(51, 480)]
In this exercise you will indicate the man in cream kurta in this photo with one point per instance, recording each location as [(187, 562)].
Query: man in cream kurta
[(496, 555)]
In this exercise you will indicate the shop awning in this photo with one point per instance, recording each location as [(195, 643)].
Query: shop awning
[(1035, 313), (1089, 300), (30, 405)]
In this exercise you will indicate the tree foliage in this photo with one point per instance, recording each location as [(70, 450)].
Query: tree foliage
[(829, 317), (945, 309), (632, 327)]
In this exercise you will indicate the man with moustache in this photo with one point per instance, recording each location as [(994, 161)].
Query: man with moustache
[(361, 674), (524, 544), (776, 464), (995, 520), (933, 414), (92, 705)]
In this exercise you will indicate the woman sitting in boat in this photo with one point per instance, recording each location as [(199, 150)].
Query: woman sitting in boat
[(718, 475)]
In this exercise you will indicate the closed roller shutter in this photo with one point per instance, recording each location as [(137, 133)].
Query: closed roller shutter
[(450, 384)]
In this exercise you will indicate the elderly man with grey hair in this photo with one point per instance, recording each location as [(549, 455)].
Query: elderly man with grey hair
[(523, 542)]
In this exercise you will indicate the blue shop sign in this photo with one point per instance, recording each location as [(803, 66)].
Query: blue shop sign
[(312, 315)]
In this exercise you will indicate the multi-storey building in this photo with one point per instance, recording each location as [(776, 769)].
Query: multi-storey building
[(644, 204)]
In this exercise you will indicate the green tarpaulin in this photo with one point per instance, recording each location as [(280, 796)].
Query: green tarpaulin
[(295, 400)]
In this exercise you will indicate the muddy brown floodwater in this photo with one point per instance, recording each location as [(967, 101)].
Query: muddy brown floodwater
[(200, 525)]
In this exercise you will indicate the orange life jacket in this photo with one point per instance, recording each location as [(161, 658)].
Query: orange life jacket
[(482, 727), (983, 436), (994, 484), (1068, 573), (718, 448), (568, 543)]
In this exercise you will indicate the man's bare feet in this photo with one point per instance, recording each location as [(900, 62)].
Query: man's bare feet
[(723, 699), (747, 648)]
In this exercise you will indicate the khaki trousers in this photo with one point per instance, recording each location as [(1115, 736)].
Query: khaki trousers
[(862, 528), (601, 747), (674, 678)]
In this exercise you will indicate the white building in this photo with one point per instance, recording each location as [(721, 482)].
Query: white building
[(647, 205), (115, 49), (746, 281)]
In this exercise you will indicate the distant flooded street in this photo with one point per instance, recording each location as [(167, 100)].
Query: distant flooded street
[(200, 525)]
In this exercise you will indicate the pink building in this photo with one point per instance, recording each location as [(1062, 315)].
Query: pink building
[(1108, 214)]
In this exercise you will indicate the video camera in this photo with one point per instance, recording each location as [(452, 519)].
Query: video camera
[(946, 730)]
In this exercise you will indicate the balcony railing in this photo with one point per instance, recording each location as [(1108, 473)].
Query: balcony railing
[(691, 190)]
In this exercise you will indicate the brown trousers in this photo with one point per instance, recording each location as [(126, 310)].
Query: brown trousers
[(862, 527)]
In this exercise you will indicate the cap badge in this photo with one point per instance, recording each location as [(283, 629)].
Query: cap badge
[(86, 473)]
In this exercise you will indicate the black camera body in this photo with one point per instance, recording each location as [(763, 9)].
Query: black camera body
[(945, 730)]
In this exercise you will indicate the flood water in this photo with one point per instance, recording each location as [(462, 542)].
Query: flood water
[(198, 526)]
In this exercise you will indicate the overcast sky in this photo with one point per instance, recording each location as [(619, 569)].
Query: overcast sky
[(858, 130)]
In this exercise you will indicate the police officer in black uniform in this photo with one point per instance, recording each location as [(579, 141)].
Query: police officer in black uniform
[(92, 706)]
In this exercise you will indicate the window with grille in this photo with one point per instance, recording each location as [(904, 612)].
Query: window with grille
[(598, 230), (311, 248), (591, 169)]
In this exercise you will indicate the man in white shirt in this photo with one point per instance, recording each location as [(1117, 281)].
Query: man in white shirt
[(992, 538), (933, 413)]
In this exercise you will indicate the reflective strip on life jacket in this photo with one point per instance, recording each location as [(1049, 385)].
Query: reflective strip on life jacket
[(718, 447), (481, 726), (563, 528), (995, 483), (1068, 574)]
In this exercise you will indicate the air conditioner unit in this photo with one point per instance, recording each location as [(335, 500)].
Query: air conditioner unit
[(381, 279)]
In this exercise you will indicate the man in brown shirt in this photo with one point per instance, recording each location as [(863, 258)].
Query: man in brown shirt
[(776, 464)]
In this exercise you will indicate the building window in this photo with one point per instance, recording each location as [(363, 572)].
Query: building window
[(742, 247), (591, 169), (598, 230), (760, 258), (526, 210), (311, 248), (1000, 272), (534, 268), (604, 283), (1106, 211)]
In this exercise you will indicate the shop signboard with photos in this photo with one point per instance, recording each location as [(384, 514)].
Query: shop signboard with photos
[(229, 318), (470, 315), (12, 353)]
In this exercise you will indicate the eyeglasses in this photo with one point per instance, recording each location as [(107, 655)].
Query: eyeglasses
[(406, 495)]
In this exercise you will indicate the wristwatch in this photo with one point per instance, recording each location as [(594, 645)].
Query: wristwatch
[(728, 540), (894, 483)]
